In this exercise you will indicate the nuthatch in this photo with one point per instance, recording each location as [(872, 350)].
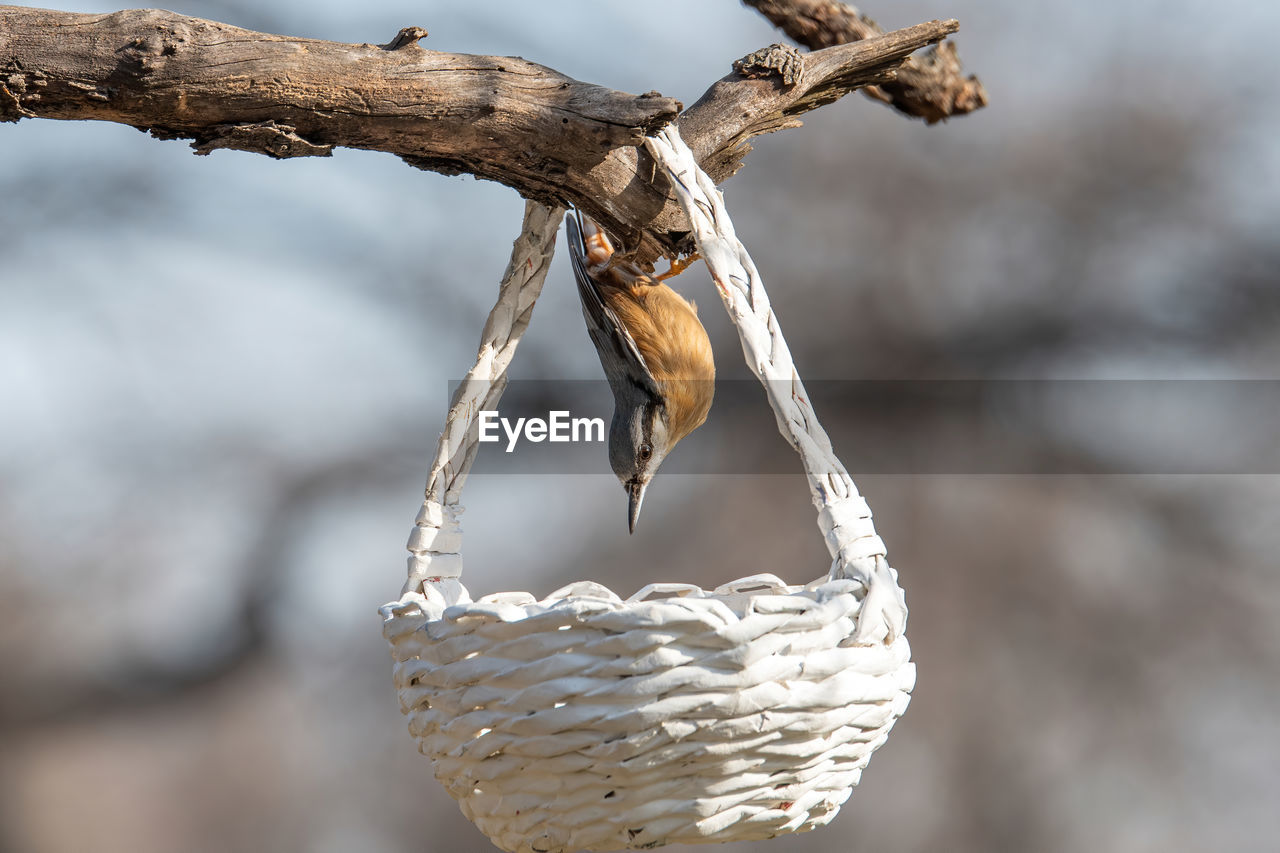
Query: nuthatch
[(655, 354)]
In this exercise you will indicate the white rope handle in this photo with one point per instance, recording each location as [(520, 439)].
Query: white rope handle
[(435, 545), (843, 514)]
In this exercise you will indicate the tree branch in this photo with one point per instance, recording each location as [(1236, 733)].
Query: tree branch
[(930, 86), (552, 138)]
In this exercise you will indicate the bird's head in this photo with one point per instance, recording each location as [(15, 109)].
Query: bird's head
[(639, 440)]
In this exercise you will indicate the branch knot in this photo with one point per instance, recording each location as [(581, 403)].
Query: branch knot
[(404, 38), (780, 59)]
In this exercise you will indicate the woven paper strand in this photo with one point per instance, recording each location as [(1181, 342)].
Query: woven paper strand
[(843, 515), (435, 545), (586, 722)]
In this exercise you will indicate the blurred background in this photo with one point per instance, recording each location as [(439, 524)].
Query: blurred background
[(221, 379)]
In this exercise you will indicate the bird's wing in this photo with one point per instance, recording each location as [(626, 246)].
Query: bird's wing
[(606, 330)]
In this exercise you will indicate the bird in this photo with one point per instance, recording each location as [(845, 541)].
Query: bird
[(654, 351)]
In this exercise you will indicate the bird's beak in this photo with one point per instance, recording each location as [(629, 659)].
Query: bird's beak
[(635, 495)]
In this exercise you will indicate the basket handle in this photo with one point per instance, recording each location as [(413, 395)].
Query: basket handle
[(843, 515), (435, 545)]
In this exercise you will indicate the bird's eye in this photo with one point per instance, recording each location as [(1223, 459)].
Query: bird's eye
[(645, 452)]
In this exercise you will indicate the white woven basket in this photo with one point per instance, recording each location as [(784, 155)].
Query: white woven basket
[(587, 722)]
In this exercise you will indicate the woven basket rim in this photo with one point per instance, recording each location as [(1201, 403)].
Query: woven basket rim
[(732, 600)]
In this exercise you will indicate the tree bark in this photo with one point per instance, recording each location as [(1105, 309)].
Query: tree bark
[(552, 138)]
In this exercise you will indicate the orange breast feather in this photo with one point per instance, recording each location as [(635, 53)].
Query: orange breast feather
[(675, 347)]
